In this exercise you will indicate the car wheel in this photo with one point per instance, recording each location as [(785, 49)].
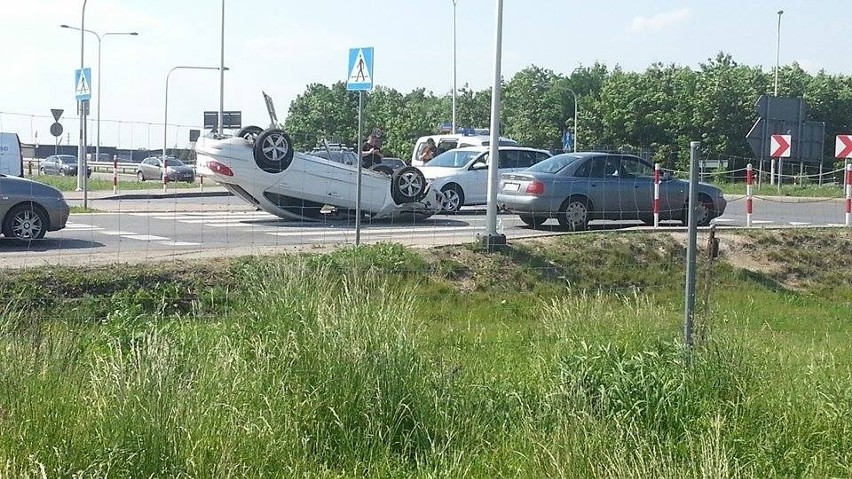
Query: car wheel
[(408, 185), (453, 198), (383, 169), (25, 222), (575, 213), (534, 221), (273, 151), (703, 213), (250, 133), (140, 176), (41, 170)]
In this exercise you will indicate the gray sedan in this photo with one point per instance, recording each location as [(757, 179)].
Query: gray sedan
[(576, 188), (29, 209), (151, 168)]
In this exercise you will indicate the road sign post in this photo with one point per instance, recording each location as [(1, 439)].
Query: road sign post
[(82, 93), (360, 79), (779, 147)]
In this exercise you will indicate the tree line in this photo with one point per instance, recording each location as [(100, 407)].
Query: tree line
[(658, 111)]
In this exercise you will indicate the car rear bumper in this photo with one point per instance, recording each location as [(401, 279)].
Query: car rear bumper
[(539, 205)]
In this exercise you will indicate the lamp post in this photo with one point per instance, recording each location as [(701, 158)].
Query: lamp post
[(166, 111), (221, 76), (778, 51), (455, 3), (576, 120), (491, 239), (99, 37)]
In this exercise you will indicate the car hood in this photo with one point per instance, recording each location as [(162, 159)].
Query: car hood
[(180, 169), (13, 185), (432, 172)]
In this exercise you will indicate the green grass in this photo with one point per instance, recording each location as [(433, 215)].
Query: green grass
[(69, 183), (555, 358)]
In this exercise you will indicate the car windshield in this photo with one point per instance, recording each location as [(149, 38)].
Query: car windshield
[(173, 162), (554, 164), (453, 158), (67, 158)]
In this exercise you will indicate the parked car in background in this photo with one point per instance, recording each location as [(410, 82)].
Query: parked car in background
[(11, 156), (62, 165), (576, 188), (151, 168), (462, 174), (28, 209), (448, 142)]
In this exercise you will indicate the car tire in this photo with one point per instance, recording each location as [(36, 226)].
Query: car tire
[(250, 133), (704, 213), (533, 221), (25, 222), (574, 213), (453, 198), (273, 150), (140, 176), (408, 185), (383, 169)]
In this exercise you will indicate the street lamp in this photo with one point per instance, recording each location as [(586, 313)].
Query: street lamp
[(98, 145), (455, 2), (576, 119), (221, 76), (778, 51), (166, 111)]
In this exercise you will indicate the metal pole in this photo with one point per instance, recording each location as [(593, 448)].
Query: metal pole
[(81, 151), (454, 66), (166, 126), (491, 238), (575, 118), (222, 74), (691, 246), (358, 181), (778, 51)]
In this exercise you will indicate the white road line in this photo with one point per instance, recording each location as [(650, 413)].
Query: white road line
[(387, 231), (144, 237), (799, 223), (81, 227), (762, 222), (179, 243), (724, 220), (117, 233)]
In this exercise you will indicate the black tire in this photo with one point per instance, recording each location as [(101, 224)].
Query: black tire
[(140, 176), (453, 198), (574, 213), (250, 133), (383, 169), (273, 151), (533, 221), (408, 185), (26, 222), (704, 213)]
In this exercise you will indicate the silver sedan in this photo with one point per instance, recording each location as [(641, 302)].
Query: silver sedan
[(575, 188), (29, 209)]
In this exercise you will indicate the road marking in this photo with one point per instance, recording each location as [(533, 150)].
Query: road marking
[(179, 243), (117, 233), (81, 227), (386, 231), (761, 222), (799, 223), (724, 220), (144, 237)]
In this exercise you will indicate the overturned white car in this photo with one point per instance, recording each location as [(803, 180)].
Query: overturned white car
[(261, 167)]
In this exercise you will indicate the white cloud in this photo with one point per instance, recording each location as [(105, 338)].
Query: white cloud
[(655, 23)]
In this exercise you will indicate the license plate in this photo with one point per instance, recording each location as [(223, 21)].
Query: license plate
[(511, 187)]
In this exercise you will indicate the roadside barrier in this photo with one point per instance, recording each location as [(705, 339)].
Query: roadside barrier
[(115, 174), (749, 182), (656, 195)]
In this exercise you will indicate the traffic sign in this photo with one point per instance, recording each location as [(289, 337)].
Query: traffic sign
[(779, 146), (83, 84), (56, 129), (843, 146), (56, 112), (360, 69)]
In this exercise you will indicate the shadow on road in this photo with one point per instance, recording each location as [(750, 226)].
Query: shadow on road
[(47, 244)]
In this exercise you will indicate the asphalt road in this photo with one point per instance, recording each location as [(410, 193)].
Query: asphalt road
[(146, 229)]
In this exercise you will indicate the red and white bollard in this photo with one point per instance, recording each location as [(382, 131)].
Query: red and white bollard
[(656, 195), (848, 194), (165, 177), (114, 174), (749, 182)]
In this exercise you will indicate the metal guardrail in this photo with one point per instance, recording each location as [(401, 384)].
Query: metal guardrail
[(31, 166)]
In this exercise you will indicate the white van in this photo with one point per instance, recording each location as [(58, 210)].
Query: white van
[(11, 158), (449, 142)]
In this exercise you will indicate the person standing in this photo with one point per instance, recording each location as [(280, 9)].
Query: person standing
[(371, 151), (429, 151)]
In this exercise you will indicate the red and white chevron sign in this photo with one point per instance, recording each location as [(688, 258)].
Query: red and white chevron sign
[(779, 146), (843, 146)]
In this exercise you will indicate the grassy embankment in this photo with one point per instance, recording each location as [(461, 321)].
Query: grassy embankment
[(556, 358)]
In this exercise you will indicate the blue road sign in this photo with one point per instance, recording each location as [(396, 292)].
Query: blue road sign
[(360, 71), (83, 84)]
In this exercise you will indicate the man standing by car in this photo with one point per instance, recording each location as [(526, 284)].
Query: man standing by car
[(371, 151)]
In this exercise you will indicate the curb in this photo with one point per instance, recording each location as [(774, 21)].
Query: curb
[(155, 196)]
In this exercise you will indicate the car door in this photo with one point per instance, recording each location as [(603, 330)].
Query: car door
[(637, 178), (601, 182), (474, 180), (5, 201)]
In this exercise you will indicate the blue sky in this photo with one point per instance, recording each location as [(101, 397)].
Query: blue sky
[(281, 46)]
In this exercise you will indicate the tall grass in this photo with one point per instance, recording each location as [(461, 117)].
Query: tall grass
[(328, 368)]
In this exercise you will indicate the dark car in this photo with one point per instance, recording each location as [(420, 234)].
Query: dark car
[(575, 188), (151, 168), (63, 165), (28, 208)]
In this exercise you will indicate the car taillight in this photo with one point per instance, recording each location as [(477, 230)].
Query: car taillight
[(535, 188), (219, 168)]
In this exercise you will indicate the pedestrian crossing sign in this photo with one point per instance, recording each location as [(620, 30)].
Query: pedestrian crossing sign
[(360, 69), (83, 84)]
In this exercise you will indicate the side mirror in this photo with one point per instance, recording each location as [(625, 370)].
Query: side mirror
[(666, 176), (479, 166)]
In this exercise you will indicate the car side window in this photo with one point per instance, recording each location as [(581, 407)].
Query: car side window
[(526, 159), (601, 166), (635, 168), (508, 159), (446, 145)]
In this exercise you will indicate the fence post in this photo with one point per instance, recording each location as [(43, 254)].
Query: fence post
[(749, 181), (114, 174), (772, 172), (165, 175), (656, 195), (691, 246)]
